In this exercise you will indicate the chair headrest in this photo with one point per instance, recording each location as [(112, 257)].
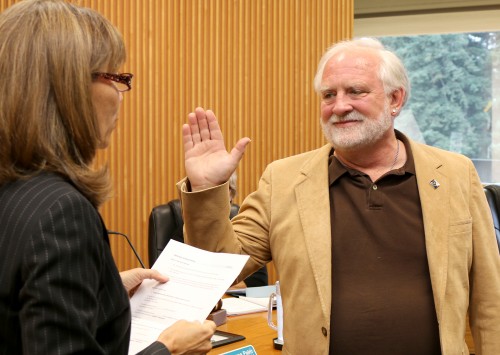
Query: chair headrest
[(493, 197)]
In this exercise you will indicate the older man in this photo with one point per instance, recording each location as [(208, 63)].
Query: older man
[(393, 257)]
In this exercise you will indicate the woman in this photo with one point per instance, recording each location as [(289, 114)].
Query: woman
[(59, 102)]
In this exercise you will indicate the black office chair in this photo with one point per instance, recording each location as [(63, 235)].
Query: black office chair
[(493, 196), (166, 223)]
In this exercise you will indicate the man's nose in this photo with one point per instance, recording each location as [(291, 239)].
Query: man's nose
[(342, 105)]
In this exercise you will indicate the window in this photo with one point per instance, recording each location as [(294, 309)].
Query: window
[(451, 102)]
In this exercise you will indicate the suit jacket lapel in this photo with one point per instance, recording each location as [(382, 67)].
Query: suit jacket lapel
[(436, 216), (314, 209)]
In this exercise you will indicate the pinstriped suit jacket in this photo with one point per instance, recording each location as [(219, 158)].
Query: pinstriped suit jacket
[(60, 289)]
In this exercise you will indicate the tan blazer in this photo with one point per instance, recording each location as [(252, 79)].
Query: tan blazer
[(287, 220)]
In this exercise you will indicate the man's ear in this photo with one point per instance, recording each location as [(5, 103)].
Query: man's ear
[(396, 99)]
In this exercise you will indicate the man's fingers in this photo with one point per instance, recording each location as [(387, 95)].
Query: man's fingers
[(202, 126), (187, 137), (239, 149), (213, 126), (194, 127), (201, 117)]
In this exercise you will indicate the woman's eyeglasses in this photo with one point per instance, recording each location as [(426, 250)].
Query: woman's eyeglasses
[(122, 81)]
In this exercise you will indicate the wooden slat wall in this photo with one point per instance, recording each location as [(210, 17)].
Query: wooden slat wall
[(251, 61)]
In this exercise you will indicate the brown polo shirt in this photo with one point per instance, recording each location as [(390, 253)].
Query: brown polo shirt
[(381, 290)]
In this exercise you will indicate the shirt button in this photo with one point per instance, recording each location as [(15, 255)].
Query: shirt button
[(323, 330), (374, 186)]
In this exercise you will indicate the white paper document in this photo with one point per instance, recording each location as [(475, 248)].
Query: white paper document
[(244, 305), (197, 281)]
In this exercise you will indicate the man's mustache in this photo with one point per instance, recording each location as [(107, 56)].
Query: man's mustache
[(351, 116)]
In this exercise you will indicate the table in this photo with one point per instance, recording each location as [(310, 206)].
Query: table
[(256, 331)]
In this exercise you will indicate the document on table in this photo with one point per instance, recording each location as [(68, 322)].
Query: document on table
[(197, 281), (244, 305)]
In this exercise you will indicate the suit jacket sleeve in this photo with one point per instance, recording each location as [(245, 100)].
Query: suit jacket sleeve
[(155, 348), (484, 309), (216, 200)]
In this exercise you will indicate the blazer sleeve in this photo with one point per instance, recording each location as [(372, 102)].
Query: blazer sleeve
[(209, 210), (484, 309), (156, 348)]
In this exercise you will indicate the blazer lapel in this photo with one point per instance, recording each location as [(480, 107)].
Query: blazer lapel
[(435, 210), (314, 209)]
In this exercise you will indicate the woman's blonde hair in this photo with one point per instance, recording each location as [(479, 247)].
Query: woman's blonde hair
[(48, 51)]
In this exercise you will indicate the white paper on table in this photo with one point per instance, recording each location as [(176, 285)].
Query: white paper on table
[(197, 281), (238, 306), (261, 301)]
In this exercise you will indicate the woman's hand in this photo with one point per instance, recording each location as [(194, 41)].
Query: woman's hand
[(184, 337), (133, 278)]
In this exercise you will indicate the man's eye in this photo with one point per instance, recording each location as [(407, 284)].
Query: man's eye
[(357, 92), (328, 95)]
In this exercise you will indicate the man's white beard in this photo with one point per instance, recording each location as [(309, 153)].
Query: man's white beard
[(357, 135)]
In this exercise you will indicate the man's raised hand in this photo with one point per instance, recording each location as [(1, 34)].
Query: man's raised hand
[(207, 161)]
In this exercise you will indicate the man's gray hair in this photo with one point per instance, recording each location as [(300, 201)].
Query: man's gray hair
[(392, 71), (232, 186)]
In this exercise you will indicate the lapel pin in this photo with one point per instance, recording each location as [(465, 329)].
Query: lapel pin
[(434, 183)]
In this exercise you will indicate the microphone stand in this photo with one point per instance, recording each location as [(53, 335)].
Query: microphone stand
[(131, 246)]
